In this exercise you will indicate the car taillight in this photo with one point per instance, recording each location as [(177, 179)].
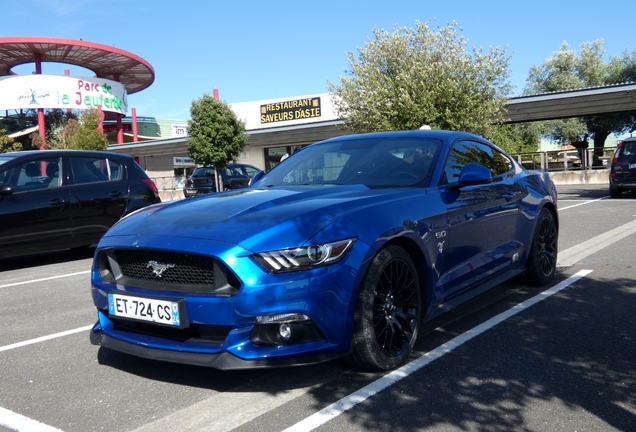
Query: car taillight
[(151, 185), (617, 153)]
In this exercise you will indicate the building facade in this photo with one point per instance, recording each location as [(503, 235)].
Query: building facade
[(276, 127)]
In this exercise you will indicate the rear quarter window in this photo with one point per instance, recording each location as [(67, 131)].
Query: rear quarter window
[(92, 169)]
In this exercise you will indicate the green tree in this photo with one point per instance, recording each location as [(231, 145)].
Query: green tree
[(516, 138), (567, 70), (88, 136), (7, 144), (422, 76), (55, 120), (82, 134), (216, 135)]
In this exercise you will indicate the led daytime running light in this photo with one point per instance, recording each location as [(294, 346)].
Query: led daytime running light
[(302, 258)]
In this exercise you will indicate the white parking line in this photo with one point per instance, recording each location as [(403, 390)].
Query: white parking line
[(44, 338), (348, 402), (571, 256), (20, 423), (583, 203), (45, 279)]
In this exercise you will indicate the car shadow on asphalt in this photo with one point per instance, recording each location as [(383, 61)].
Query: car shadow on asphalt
[(566, 363), (572, 353), (46, 258), (272, 381), (288, 378), (588, 192)]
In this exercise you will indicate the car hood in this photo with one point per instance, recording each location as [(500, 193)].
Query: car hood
[(257, 219)]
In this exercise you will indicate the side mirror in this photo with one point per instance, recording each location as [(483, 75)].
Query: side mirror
[(259, 175), (6, 189), (473, 174)]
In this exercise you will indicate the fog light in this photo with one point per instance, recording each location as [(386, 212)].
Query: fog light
[(285, 331)]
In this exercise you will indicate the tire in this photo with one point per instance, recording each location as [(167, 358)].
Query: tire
[(616, 193), (543, 252), (388, 312)]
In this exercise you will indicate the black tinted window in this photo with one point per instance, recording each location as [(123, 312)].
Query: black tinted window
[(465, 152), (95, 169), (34, 174), (629, 148)]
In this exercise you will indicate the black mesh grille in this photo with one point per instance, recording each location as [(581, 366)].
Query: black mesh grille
[(185, 269)]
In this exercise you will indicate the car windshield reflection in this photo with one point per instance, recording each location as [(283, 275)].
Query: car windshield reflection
[(372, 162)]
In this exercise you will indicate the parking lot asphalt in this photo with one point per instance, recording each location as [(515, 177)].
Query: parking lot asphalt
[(563, 363)]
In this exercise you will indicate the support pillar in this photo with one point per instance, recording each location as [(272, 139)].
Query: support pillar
[(41, 123), (120, 127), (134, 125)]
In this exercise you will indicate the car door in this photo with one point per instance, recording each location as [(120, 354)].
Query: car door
[(482, 218), (233, 176), (36, 216), (99, 195)]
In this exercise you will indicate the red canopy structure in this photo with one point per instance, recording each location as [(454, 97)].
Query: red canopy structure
[(105, 61)]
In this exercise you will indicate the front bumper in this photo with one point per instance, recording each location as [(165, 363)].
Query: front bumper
[(222, 360), (326, 295)]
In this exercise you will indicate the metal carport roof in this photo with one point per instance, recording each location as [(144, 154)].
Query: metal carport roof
[(573, 103)]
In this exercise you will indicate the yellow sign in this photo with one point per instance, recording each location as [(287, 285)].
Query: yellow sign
[(290, 110)]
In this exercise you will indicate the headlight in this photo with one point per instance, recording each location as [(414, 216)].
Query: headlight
[(304, 257)]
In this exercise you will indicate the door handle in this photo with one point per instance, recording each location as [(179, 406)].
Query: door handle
[(116, 193), (56, 202), (509, 195)]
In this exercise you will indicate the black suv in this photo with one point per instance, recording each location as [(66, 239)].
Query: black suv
[(54, 199), (623, 171), (235, 176)]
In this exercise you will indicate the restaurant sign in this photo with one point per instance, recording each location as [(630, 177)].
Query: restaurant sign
[(62, 91), (290, 110)]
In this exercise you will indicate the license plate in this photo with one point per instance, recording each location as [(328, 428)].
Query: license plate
[(191, 191), (167, 312), (632, 166)]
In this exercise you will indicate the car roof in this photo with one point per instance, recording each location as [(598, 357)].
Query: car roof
[(228, 165), (442, 135), (26, 152)]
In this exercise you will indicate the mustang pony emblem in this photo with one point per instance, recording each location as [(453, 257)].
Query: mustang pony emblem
[(158, 269)]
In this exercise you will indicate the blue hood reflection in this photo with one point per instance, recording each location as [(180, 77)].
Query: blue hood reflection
[(256, 219)]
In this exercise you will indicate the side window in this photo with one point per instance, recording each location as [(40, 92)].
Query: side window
[(501, 163), (231, 172), (465, 152), (95, 169), (36, 174), (249, 171), (116, 171)]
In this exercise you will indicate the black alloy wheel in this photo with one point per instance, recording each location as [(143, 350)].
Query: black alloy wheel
[(388, 312), (543, 254)]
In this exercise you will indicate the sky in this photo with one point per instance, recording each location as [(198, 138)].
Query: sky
[(253, 50)]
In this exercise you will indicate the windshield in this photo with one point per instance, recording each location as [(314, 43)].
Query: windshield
[(6, 158), (203, 172), (373, 162)]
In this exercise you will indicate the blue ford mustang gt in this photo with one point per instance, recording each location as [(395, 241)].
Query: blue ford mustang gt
[(341, 250)]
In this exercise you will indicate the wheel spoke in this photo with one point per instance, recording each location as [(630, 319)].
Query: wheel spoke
[(395, 308), (546, 247)]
